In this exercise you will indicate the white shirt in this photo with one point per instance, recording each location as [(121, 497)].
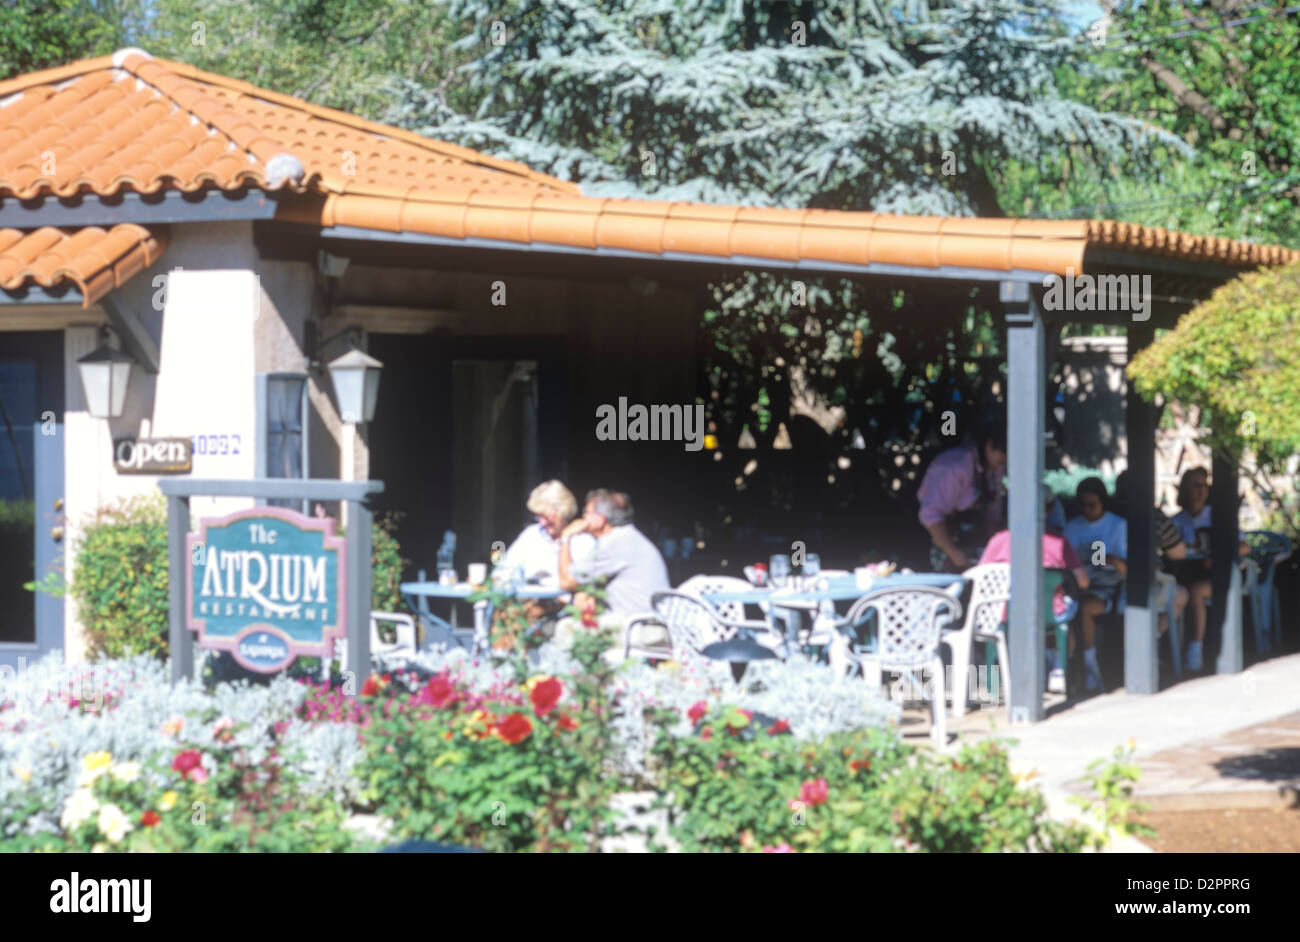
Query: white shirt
[(538, 554)]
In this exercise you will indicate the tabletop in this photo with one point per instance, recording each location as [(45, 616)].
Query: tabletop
[(838, 589), (462, 590)]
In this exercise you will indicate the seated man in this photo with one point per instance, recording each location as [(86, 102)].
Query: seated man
[(632, 565), (1057, 554), (1101, 540)]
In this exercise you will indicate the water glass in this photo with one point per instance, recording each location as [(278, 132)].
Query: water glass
[(778, 570)]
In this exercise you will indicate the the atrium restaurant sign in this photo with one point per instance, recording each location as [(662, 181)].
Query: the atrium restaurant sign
[(267, 585)]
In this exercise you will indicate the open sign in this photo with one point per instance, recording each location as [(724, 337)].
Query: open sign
[(153, 455)]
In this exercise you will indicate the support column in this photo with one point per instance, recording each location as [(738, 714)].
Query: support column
[(1026, 424), (358, 588), (180, 642), (1141, 663), (1223, 632)]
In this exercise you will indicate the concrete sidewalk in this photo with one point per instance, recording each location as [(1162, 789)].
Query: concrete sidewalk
[(1059, 748), (1217, 741)]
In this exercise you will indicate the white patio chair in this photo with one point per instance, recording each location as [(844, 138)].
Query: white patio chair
[(990, 592), (693, 624), (404, 643), (405, 626), (733, 613), (909, 624)]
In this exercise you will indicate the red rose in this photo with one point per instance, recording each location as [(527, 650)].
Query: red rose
[(370, 687), (777, 728), (859, 765), (706, 733), (515, 728), (815, 792), (438, 692), (150, 818), (698, 711), (589, 617), (567, 723), (187, 761), (545, 695)]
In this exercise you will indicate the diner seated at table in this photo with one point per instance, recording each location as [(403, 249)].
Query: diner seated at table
[(624, 558), (1193, 522), (535, 553), (1100, 537), (1169, 546), (1057, 554)]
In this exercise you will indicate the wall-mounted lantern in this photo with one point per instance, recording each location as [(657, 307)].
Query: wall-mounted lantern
[(356, 384), (105, 373)]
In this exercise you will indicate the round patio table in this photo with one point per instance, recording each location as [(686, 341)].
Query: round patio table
[(836, 589), (418, 594)]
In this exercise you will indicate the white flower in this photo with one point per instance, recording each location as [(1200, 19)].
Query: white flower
[(112, 823), (79, 809), (125, 771)]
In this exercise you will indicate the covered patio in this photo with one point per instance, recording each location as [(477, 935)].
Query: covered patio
[(335, 226)]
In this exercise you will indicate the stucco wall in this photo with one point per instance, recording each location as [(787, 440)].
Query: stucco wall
[(224, 316)]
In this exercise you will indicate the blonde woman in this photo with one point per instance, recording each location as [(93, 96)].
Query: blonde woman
[(536, 551)]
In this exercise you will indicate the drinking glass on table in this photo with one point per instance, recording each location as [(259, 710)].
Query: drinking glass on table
[(778, 570)]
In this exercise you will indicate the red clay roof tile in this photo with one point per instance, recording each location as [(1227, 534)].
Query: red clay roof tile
[(94, 259)]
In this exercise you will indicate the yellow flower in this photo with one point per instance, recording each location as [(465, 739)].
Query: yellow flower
[(533, 682), (23, 772), (99, 848), (710, 442), (1132, 744), (168, 801), (97, 760)]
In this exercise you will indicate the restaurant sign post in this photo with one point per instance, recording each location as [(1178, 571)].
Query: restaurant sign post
[(267, 584)]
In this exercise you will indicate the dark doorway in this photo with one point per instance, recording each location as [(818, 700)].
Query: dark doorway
[(464, 429)]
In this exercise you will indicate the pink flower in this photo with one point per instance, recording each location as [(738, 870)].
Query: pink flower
[(697, 711), (173, 726), (815, 792), (189, 763), (779, 849), (221, 729), (199, 774)]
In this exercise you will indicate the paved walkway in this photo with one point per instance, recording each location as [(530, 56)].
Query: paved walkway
[(1217, 741)]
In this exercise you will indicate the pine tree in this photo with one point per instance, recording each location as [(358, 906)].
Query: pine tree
[(847, 104)]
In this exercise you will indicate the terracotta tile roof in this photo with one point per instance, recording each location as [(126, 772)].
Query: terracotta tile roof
[(95, 260), (780, 235), (133, 122), (129, 121)]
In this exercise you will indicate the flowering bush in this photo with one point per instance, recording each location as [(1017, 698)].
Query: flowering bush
[(514, 764), (231, 768), (741, 782)]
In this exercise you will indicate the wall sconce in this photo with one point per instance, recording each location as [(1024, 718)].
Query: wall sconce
[(356, 384), (105, 373)]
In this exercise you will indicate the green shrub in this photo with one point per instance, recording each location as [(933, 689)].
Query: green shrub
[(386, 566), (120, 579), (739, 784)]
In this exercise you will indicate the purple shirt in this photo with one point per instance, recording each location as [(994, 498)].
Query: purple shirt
[(951, 485)]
